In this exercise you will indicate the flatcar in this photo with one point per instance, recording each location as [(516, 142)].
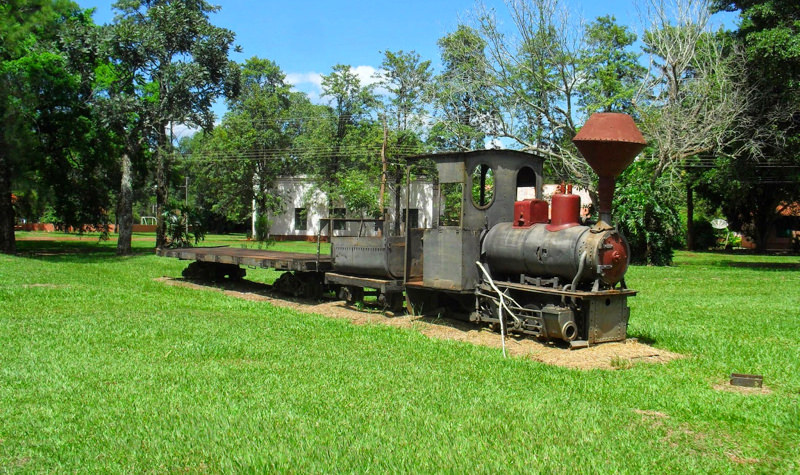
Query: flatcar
[(524, 265)]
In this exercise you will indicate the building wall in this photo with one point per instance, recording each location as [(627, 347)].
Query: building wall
[(299, 192)]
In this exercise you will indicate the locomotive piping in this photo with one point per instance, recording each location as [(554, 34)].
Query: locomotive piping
[(499, 308)]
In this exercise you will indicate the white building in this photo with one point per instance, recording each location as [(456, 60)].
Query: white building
[(304, 206)]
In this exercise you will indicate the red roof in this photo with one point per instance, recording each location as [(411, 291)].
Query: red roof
[(789, 210)]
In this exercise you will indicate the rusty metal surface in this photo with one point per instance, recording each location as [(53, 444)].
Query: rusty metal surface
[(607, 318), (747, 380), (449, 261), (251, 257), (609, 142)]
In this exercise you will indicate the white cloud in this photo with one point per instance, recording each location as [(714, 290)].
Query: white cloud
[(298, 79), (311, 82), (182, 130), (366, 74)]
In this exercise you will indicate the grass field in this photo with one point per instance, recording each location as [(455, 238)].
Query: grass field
[(104, 369)]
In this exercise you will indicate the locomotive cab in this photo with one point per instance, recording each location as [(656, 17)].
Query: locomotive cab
[(475, 192)]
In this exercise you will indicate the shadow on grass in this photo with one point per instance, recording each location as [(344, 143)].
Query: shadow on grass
[(89, 252), (764, 265), (646, 339), (461, 323)]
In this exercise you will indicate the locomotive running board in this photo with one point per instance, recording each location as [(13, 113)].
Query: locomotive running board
[(566, 293)]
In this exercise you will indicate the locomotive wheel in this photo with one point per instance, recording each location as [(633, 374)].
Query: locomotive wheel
[(289, 284)]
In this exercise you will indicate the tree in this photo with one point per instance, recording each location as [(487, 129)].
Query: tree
[(689, 106), (172, 64), (460, 93), (40, 93), (355, 138), (535, 74), (760, 175), (612, 73), (238, 163), (406, 79), (694, 96)]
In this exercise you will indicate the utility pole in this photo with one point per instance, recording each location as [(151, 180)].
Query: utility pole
[(384, 167)]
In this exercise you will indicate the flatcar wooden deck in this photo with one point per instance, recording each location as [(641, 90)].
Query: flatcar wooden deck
[(278, 260)]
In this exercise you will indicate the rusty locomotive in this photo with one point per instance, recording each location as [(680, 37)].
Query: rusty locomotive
[(521, 264)]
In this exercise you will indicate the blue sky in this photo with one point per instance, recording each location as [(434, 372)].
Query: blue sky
[(307, 37)]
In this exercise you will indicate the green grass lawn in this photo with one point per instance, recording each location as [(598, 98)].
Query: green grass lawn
[(104, 369)]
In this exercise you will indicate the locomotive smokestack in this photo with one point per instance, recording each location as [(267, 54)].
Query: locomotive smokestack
[(609, 142)]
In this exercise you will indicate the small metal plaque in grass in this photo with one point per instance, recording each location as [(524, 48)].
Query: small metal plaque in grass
[(747, 380)]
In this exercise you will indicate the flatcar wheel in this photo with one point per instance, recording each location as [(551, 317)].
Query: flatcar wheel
[(351, 294), (289, 284), (312, 285), (392, 301)]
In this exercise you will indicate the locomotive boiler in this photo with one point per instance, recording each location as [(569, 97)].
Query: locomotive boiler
[(496, 251)]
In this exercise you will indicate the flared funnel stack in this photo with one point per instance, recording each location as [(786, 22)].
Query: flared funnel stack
[(609, 142)]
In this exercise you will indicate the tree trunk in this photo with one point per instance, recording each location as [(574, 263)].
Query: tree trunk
[(125, 208), (7, 243), (161, 186), (689, 217)]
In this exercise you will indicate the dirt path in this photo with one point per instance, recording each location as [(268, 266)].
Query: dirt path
[(605, 356)]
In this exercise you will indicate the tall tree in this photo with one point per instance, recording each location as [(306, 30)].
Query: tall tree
[(759, 175), (237, 164), (461, 93), (407, 79), (535, 75), (688, 107), (695, 91), (612, 73), (38, 91), (351, 146), (173, 64), (545, 78)]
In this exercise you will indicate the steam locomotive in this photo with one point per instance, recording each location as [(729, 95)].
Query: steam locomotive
[(522, 264)]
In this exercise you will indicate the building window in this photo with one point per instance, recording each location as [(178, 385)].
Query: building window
[(300, 219), (413, 218), (339, 213)]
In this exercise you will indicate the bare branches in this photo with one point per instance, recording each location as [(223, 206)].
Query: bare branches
[(696, 98), (535, 71)]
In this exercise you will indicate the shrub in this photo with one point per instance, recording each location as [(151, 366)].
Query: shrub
[(263, 225), (182, 225), (646, 213), (705, 237)]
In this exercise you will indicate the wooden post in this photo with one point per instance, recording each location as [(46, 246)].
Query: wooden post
[(384, 165)]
